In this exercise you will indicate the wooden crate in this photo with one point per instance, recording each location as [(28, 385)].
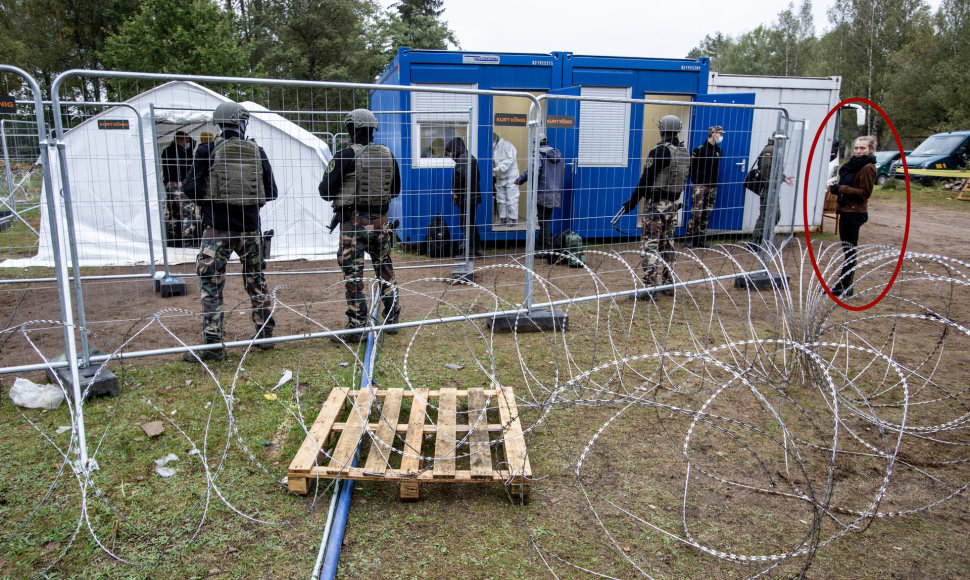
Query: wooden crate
[(444, 438)]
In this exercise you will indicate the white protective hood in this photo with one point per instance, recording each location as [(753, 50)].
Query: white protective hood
[(108, 183)]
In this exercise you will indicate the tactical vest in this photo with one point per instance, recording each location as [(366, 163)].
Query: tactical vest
[(369, 184), (672, 179), (236, 173)]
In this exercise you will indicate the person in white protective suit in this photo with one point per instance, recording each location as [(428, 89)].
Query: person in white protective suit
[(505, 169)]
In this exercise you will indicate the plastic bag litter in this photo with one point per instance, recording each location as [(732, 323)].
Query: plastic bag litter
[(160, 465), (28, 394), (287, 375)]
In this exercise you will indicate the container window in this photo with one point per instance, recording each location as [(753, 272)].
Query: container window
[(604, 128), (437, 118)]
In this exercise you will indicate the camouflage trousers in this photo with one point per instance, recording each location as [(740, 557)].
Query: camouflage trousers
[(217, 246), (656, 248), (702, 202), (371, 234), (757, 236), (181, 221)]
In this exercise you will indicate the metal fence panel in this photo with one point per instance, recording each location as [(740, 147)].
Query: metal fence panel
[(110, 170)]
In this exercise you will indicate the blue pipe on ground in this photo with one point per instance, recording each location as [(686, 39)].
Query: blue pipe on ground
[(336, 539)]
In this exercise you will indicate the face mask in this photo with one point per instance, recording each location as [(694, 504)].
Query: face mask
[(719, 139)]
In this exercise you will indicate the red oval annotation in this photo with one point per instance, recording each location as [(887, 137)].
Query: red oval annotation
[(808, 238)]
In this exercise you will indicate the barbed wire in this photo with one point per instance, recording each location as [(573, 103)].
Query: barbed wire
[(781, 401)]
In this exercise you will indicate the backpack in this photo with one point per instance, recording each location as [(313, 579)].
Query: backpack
[(438, 244), (236, 173), (757, 179), (571, 245), (754, 182)]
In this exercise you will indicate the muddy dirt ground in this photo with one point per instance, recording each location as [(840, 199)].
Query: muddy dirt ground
[(129, 315)]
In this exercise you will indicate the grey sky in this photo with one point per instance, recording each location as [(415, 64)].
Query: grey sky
[(666, 29)]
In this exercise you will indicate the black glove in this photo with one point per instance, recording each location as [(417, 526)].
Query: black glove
[(834, 188), (627, 207)]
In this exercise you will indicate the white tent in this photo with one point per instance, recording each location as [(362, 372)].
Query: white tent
[(108, 180)]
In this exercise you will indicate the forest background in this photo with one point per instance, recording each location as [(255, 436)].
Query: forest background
[(901, 54)]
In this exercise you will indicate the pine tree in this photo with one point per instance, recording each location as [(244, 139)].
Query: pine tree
[(418, 24)]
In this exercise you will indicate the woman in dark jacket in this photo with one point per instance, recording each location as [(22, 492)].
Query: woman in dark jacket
[(856, 178), (464, 182)]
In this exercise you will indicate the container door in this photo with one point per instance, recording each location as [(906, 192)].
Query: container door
[(562, 130), (728, 213), (650, 137), (509, 116)]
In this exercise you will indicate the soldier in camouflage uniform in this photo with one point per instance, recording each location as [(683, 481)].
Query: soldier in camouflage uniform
[(231, 179), (190, 223), (705, 162), (662, 183), (181, 223), (361, 181)]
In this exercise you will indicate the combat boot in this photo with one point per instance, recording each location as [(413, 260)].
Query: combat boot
[(391, 318), (264, 345), (350, 338), (667, 291), (210, 355), (648, 293)]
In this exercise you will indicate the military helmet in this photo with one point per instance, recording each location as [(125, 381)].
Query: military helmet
[(230, 114), (669, 124), (361, 118)]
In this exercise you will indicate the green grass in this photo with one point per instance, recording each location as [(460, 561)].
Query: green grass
[(18, 241), (920, 194), (465, 531)]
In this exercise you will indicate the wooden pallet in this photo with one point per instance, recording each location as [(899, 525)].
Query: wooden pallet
[(456, 446)]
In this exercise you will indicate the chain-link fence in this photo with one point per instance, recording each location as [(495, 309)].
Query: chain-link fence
[(535, 183)]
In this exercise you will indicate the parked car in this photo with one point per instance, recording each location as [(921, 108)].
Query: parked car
[(884, 164), (940, 151)]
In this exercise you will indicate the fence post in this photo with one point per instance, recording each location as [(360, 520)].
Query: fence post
[(803, 123), (531, 198), (162, 193), (465, 272), (71, 234), (774, 186), (59, 266), (6, 166)]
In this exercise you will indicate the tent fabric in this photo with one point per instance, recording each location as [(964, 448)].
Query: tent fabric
[(115, 194)]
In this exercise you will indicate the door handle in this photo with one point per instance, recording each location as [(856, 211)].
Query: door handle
[(743, 164)]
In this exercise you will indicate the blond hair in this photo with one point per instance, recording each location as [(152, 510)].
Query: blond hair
[(870, 139)]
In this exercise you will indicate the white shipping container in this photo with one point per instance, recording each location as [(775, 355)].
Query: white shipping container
[(807, 100)]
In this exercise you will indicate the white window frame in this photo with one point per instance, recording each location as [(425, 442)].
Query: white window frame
[(604, 128), (451, 105)]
